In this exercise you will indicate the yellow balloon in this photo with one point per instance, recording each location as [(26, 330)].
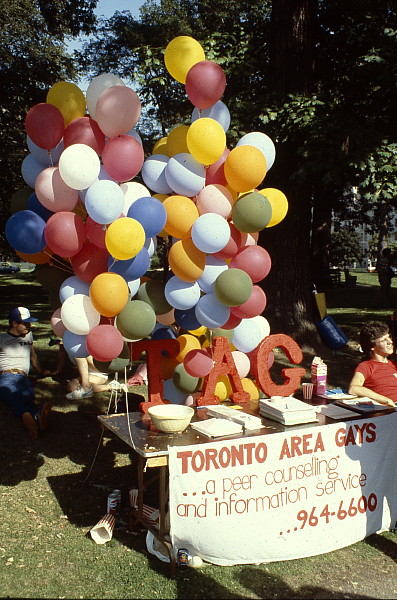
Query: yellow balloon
[(181, 214), (180, 55), (186, 343), (69, 99), (186, 261), (176, 140), (206, 140), (245, 168), (199, 331), (160, 147), (250, 386), (109, 293), (124, 238), (279, 204), (223, 389)]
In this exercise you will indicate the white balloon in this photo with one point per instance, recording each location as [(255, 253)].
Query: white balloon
[(242, 362), (210, 233), (98, 85), (213, 267), (104, 201), (79, 315), (218, 111), (263, 143), (132, 190), (181, 294), (79, 166), (247, 335), (151, 245), (263, 324), (73, 285), (185, 175), (153, 173), (133, 286)]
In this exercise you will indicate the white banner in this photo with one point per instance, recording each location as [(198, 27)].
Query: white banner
[(288, 495)]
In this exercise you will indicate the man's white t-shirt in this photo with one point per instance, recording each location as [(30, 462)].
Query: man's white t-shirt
[(15, 351)]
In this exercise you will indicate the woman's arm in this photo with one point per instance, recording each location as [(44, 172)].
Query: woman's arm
[(357, 388)]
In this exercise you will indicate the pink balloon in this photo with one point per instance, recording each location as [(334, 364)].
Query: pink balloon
[(95, 232), (254, 260), (198, 362), (205, 84), (123, 157), (254, 368), (233, 245), (65, 233), (57, 325), (254, 306), (166, 318), (118, 109), (215, 198), (215, 173), (45, 125), (232, 321), (84, 130), (104, 342), (53, 192), (90, 262)]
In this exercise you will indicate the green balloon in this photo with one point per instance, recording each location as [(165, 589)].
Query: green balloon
[(233, 287), (136, 320), (219, 332), (117, 364), (183, 381), (252, 212), (152, 292)]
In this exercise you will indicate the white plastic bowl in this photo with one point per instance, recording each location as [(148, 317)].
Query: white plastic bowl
[(171, 418)]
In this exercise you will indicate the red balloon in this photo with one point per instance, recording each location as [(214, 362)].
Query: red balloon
[(95, 232), (123, 157), (90, 262), (215, 173), (45, 125), (104, 342), (232, 321), (254, 306), (235, 242), (254, 260), (65, 233), (84, 130), (205, 84), (198, 362)]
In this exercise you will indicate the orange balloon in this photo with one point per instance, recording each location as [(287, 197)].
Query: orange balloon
[(186, 343), (245, 168), (109, 294), (166, 318), (181, 214), (39, 258), (186, 261)]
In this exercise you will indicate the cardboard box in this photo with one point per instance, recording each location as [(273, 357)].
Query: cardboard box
[(319, 376)]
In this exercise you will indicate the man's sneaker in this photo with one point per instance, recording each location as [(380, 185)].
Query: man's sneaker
[(80, 393), (116, 386), (31, 425), (43, 416)]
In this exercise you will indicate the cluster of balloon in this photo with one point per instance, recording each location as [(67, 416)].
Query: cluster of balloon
[(83, 212)]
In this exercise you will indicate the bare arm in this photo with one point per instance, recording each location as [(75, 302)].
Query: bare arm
[(357, 388), (35, 363)]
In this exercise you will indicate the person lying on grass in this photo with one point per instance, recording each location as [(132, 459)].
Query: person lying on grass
[(376, 376)]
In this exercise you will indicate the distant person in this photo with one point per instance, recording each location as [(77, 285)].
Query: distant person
[(90, 380), (17, 353), (385, 275), (376, 376)]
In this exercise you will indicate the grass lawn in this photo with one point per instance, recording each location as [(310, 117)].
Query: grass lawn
[(54, 490)]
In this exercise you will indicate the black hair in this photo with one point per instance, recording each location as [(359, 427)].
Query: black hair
[(369, 334)]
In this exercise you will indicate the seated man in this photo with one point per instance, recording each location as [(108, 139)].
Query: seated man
[(90, 380), (16, 355), (376, 376)]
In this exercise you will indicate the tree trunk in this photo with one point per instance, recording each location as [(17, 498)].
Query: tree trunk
[(289, 289)]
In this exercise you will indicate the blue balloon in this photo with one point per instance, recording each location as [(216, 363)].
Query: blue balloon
[(73, 285), (25, 232), (186, 319), (36, 206), (133, 268), (172, 393), (104, 201), (75, 345), (150, 213), (164, 333)]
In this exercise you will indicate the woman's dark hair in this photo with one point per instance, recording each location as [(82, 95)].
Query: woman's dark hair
[(369, 334)]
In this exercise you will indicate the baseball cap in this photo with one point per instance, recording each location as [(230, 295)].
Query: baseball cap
[(20, 313)]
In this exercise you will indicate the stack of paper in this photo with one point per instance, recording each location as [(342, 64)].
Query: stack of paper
[(217, 427), (249, 422), (289, 410)]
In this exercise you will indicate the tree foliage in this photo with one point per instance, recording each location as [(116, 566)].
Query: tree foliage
[(346, 248)]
